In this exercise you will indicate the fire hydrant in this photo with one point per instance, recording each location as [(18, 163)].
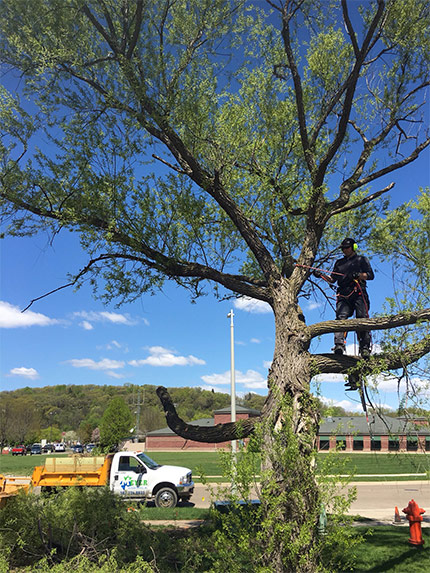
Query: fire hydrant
[(413, 515)]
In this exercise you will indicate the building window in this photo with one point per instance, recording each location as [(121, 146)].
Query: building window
[(412, 444), (375, 444), (341, 442), (393, 445), (358, 444), (324, 442), (427, 443)]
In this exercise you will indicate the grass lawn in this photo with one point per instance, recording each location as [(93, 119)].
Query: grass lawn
[(386, 550), (181, 512), (210, 464), (391, 463)]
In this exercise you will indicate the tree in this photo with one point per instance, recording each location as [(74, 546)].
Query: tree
[(116, 423), (232, 145)]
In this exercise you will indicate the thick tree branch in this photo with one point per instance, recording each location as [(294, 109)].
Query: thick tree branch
[(360, 324), (364, 201), (219, 433), (340, 364), (152, 258)]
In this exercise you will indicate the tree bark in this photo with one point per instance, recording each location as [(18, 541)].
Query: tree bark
[(289, 433)]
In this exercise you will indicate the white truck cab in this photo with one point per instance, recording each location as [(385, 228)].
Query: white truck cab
[(135, 475)]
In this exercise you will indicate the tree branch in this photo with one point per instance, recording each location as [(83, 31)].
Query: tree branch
[(214, 435), (364, 201), (340, 364), (360, 324)]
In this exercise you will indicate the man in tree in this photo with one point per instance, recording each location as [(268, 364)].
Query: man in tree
[(351, 273)]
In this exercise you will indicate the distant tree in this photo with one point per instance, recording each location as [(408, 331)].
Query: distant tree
[(253, 400), (95, 436), (23, 420), (116, 423), (85, 431), (51, 434)]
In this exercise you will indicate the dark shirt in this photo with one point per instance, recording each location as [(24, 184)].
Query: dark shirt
[(347, 266)]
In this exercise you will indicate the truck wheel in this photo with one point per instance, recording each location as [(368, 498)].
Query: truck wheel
[(166, 497)]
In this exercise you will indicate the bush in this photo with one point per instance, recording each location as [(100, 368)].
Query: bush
[(89, 522)]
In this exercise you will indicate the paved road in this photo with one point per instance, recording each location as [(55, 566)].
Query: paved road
[(378, 500), (375, 500)]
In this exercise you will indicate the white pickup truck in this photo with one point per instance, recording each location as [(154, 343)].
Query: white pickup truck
[(132, 475)]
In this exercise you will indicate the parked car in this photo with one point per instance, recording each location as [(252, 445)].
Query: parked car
[(48, 448), (60, 447), (78, 449), (19, 450), (36, 449), (90, 447)]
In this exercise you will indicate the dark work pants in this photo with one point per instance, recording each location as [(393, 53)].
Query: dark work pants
[(345, 308)]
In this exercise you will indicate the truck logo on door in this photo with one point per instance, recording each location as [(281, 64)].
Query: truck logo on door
[(129, 481)]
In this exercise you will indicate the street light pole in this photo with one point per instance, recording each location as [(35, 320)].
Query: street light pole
[(232, 376)]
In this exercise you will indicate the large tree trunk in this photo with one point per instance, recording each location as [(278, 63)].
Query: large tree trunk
[(290, 493)]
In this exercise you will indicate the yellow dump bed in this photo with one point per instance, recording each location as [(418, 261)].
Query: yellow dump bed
[(10, 486), (73, 471)]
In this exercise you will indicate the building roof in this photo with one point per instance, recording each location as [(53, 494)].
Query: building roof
[(239, 410), (378, 425)]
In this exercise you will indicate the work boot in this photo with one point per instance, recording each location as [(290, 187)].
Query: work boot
[(339, 348), (353, 382), (364, 351)]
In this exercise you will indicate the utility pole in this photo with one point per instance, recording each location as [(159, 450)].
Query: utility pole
[(232, 376), (138, 404)]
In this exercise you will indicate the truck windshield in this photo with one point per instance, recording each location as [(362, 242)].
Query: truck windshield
[(148, 462)]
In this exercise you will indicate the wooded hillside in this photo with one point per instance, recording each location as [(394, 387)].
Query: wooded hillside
[(29, 414)]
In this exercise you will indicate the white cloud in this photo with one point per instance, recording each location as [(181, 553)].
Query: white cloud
[(345, 404), (329, 378), (104, 364), (30, 373), (312, 305), (387, 383), (255, 341), (252, 305), (12, 317), (115, 375), (217, 379), (267, 364), (250, 379), (159, 356), (103, 317), (86, 325)]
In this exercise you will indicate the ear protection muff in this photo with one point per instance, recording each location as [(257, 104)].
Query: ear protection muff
[(355, 246)]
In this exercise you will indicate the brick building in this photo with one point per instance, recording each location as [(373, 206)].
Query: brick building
[(350, 433), (382, 434)]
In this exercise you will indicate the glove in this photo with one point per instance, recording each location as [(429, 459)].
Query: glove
[(353, 276), (317, 274)]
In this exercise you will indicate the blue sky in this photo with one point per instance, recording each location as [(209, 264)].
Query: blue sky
[(71, 338)]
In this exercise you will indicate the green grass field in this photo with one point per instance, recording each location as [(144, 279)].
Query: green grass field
[(210, 464), (386, 550)]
